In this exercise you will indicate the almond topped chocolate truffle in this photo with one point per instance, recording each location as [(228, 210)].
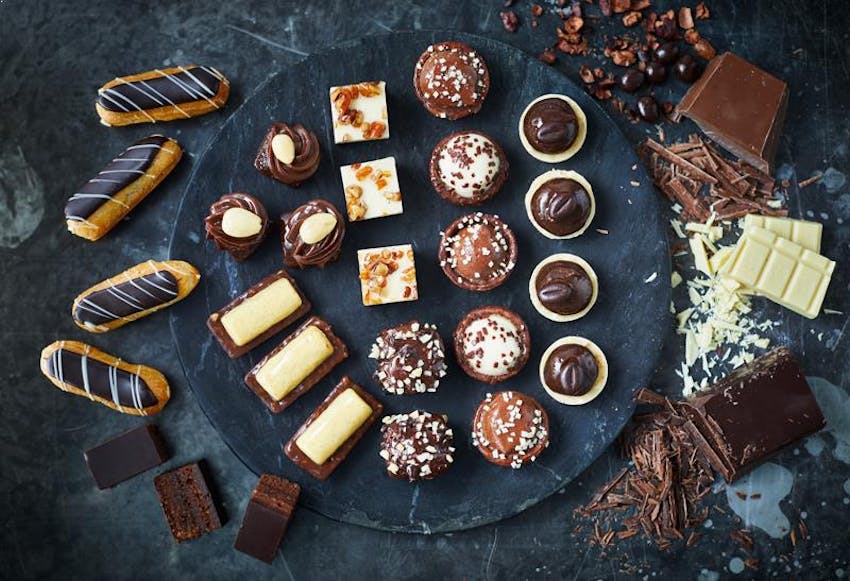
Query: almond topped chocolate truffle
[(573, 370), (311, 235), (552, 128), (237, 223), (411, 358), (563, 287), (416, 446), (478, 252), (468, 168), (289, 153), (492, 344), (451, 79), (510, 429), (560, 204)]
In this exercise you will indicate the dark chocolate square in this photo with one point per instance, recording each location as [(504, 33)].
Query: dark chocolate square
[(126, 455)]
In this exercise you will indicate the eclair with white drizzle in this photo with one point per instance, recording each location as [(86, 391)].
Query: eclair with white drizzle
[(94, 209), (162, 95), (135, 293), (80, 369)]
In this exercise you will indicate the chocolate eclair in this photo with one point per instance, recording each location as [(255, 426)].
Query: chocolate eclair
[(451, 80), (478, 252), (560, 204), (510, 429), (573, 370), (552, 128), (563, 287), (311, 235), (237, 223), (289, 153)]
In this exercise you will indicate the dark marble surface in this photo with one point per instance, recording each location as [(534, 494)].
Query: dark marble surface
[(55, 524)]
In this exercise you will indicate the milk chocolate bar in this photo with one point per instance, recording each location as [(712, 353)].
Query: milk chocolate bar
[(296, 365), (126, 455), (263, 310), (752, 413), (267, 517), (333, 429), (187, 503), (803, 232)]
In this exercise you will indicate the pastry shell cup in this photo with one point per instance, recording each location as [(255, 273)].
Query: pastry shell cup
[(573, 148)]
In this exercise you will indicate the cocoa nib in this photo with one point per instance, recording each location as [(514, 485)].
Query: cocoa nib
[(702, 12), (509, 20), (548, 56), (632, 18)]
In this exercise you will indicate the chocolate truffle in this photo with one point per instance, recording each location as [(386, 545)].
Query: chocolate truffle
[(563, 287), (468, 168), (552, 128), (451, 79), (416, 446), (478, 252), (411, 358), (311, 235), (288, 153), (573, 370), (510, 429), (560, 204), (492, 344), (237, 223)]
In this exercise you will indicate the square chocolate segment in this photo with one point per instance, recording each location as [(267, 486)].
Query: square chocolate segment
[(126, 455), (267, 517), (187, 503), (263, 310), (296, 365), (327, 437)]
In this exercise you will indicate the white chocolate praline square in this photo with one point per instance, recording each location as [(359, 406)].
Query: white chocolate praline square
[(256, 314), (287, 368), (371, 189), (345, 414), (387, 275), (359, 112)]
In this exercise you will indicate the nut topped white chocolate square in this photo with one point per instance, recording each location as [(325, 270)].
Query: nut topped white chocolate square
[(371, 189), (387, 275), (359, 112)]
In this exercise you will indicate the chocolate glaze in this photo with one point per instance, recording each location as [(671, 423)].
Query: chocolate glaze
[(561, 206), (299, 254), (451, 79), (571, 370), (564, 287), (186, 86), (416, 446), (551, 125), (411, 358), (127, 298), (510, 428), (239, 248), (107, 381), (120, 173), (307, 155)]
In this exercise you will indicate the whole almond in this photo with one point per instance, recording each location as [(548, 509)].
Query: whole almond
[(283, 148), (240, 223), (317, 227)]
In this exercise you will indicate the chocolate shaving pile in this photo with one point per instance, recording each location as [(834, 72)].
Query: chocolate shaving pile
[(697, 176)]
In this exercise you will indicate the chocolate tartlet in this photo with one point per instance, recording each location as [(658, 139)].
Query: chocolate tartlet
[(573, 370), (478, 252), (552, 128), (563, 287), (289, 153), (311, 235), (237, 223), (492, 344), (411, 358), (560, 204), (451, 79), (510, 429), (468, 168), (416, 446)]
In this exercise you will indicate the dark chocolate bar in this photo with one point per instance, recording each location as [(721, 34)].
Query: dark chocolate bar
[(187, 503), (125, 456), (322, 471), (267, 517)]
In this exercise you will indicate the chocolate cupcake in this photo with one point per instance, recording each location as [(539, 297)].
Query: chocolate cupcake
[(563, 287), (468, 168), (492, 344), (510, 429), (237, 223), (288, 153), (311, 235), (560, 204), (416, 446), (411, 358), (552, 128), (573, 370), (451, 79), (478, 252)]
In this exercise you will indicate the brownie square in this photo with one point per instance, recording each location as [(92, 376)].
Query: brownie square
[(187, 503), (267, 517)]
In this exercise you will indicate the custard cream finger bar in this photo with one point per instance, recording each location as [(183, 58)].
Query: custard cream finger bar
[(803, 232), (333, 429)]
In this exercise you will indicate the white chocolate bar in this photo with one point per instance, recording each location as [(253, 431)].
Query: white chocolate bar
[(255, 315), (803, 232), (291, 365), (345, 414)]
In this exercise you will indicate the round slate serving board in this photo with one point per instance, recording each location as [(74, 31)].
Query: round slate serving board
[(628, 320)]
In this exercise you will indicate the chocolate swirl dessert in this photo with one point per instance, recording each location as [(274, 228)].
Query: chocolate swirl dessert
[(311, 235), (563, 287), (573, 370), (411, 358), (237, 223), (552, 128), (289, 153), (510, 429), (560, 204), (451, 80), (478, 252), (416, 446)]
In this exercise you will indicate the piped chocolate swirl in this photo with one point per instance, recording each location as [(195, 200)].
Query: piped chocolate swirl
[(185, 85), (119, 302), (289, 153), (311, 235), (237, 223)]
